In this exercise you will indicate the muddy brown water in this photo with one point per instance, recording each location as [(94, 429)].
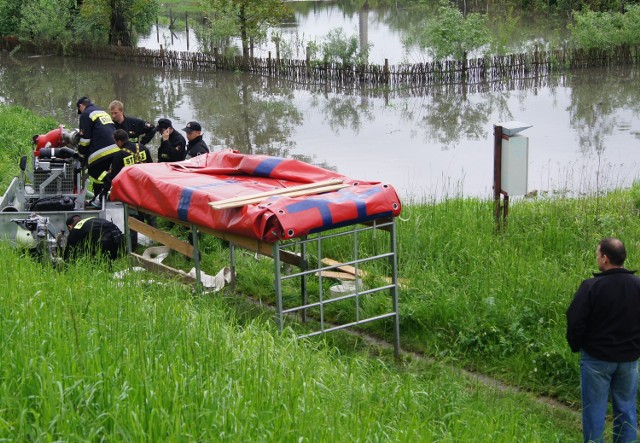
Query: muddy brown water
[(431, 142)]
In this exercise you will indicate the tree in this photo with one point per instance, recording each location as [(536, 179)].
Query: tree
[(451, 34), (114, 21), (250, 18)]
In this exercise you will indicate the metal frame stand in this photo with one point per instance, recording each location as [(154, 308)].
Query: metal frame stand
[(294, 255), (320, 301)]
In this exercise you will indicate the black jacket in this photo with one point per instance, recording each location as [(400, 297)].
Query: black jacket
[(94, 236), (136, 127), (196, 147), (129, 154), (96, 139), (174, 149), (604, 317)]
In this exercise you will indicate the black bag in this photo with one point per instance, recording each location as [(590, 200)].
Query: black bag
[(57, 203)]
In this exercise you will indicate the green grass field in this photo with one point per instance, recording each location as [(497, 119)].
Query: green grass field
[(87, 357)]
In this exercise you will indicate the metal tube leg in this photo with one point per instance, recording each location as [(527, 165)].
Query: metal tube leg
[(196, 258), (278, 283)]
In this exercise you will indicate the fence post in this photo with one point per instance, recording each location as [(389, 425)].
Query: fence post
[(386, 71)]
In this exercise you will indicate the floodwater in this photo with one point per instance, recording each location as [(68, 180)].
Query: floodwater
[(433, 142), (381, 30)]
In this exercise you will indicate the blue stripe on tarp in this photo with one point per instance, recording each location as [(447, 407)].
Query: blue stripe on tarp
[(266, 167), (352, 222), (187, 194), (310, 203), (343, 196), (183, 204)]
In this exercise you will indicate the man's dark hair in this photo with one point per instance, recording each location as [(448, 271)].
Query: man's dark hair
[(83, 101), (614, 249), (72, 219), (120, 135)]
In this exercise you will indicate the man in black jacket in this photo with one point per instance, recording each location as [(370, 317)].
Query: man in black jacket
[(173, 145), (137, 129), (96, 141), (130, 154), (196, 145), (603, 324), (93, 236)]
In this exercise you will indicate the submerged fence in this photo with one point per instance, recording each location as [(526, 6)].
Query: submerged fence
[(496, 68)]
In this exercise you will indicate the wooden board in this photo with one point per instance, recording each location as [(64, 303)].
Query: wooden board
[(290, 193), (344, 268), (350, 270), (279, 191), (161, 237), (159, 268), (336, 275), (251, 244)]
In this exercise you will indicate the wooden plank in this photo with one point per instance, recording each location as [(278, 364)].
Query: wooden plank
[(162, 269), (259, 246), (161, 237), (344, 268), (323, 186), (350, 270), (239, 198), (313, 191), (336, 275)]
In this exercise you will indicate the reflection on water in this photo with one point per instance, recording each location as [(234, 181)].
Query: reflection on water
[(383, 29), (431, 142)]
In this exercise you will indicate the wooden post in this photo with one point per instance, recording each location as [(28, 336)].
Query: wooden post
[(186, 27), (500, 211), (386, 71)]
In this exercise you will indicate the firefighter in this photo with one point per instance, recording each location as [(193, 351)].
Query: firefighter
[(130, 153), (173, 145), (138, 129), (196, 145), (93, 236), (96, 144)]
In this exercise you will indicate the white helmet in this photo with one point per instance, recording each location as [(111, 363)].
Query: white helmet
[(25, 239)]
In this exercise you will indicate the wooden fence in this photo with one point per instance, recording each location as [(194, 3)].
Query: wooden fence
[(469, 72)]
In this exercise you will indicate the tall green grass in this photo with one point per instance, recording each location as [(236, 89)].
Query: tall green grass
[(18, 126), (87, 357)]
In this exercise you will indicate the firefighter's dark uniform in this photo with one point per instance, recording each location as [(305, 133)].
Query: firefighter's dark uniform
[(137, 129), (130, 154), (96, 143), (196, 147), (94, 236), (174, 149)]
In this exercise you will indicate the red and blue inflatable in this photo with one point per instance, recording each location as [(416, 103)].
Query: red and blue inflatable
[(183, 191)]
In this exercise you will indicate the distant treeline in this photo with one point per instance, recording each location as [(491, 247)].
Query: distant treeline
[(495, 68)]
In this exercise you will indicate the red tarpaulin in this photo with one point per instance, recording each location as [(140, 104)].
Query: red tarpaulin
[(183, 190)]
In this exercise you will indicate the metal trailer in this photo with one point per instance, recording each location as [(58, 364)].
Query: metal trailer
[(49, 189)]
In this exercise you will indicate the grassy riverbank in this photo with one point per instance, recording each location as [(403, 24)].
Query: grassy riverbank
[(90, 356)]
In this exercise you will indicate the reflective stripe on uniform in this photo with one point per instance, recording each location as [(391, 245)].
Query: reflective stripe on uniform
[(105, 118), (101, 153), (81, 223)]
